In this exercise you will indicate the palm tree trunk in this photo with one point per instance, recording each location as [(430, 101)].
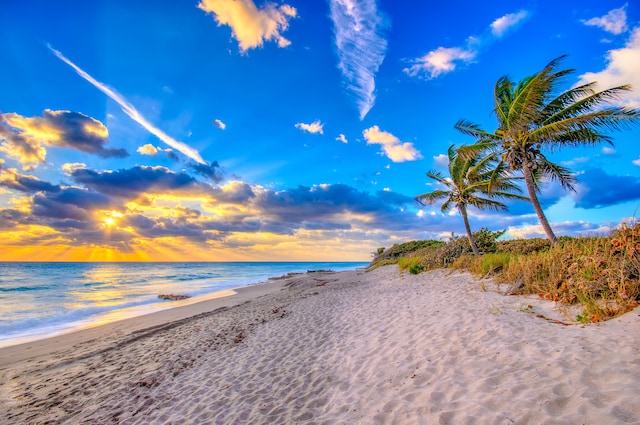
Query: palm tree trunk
[(463, 211), (531, 188)]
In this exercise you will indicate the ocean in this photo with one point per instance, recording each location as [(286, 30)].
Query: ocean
[(39, 300)]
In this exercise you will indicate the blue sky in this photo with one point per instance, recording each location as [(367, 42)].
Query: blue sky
[(241, 130)]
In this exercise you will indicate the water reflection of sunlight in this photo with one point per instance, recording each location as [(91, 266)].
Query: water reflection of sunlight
[(102, 287)]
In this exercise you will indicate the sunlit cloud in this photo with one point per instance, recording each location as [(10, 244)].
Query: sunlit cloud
[(622, 68), (315, 127), (614, 22), (392, 147), (608, 151), (23, 137), (636, 162), (251, 26), (361, 46), (132, 112), (69, 167), (12, 179), (218, 123), (147, 149), (342, 138), (443, 60)]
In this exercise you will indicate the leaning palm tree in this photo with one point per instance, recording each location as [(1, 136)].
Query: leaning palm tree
[(533, 119), (475, 181)]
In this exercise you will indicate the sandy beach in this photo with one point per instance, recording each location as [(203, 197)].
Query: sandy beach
[(381, 347)]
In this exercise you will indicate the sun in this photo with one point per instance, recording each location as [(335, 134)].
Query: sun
[(110, 218)]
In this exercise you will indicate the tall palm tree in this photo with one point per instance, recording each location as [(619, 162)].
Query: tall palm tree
[(475, 181), (532, 118)]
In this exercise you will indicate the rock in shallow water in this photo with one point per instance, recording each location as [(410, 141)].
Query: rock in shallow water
[(173, 297)]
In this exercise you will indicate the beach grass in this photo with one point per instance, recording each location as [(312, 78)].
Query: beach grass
[(600, 273)]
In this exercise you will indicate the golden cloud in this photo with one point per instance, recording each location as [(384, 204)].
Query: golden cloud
[(251, 25)]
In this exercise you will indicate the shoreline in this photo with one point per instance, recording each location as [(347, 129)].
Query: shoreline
[(220, 299), (69, 321), (375, 347)]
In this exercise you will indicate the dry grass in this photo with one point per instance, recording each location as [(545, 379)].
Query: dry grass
[(600, 273)]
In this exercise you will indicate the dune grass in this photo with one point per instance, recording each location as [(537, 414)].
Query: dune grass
[(602, 273)]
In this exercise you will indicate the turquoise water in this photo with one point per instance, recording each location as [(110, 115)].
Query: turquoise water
[(38, 300)]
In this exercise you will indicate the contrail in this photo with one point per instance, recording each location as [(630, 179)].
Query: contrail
[(130, 110)]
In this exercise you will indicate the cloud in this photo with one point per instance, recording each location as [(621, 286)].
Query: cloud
[(251, 26), (443, 60), (361, 46), (211, 171), (70, 203), (147, 149), (608, 151), (11, 179), (313, 128), (503, 24), (597, 189), (218, 123), (614, 22), (392, 147), (139, 180), (622, 68), (341, 137), (24, 137), (440, 61), (636, 162), (132, 112), (568, 228), (441, 160), (234, 192)]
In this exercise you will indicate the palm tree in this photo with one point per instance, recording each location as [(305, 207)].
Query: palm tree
[(531, 118), (471, 178)]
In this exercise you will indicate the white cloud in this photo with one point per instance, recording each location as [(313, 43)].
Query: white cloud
[(313, 128), (147, 149), (132, 112), (218, 123), (252, 26), (501, 25), (342, 138), (636, 162), (608, 151), (443, 60), (440, 61), (392, 147), (614, 22), (361, 47), (622, 68), (441, 160)]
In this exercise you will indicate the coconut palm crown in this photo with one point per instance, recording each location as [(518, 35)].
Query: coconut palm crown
[(475, 181), (532, 120)]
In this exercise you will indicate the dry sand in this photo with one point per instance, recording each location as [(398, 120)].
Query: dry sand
[(336, 348)]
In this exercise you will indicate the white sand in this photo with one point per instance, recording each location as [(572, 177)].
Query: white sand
[(344, 348)]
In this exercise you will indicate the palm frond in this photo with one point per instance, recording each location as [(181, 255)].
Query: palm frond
[(556, 172), (431, 198)]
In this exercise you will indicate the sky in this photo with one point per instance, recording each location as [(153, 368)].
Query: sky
[(246, 130)]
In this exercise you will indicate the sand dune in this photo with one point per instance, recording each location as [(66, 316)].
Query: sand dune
[(337, 348)]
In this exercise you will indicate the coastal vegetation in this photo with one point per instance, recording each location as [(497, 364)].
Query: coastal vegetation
[(600, 273)]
